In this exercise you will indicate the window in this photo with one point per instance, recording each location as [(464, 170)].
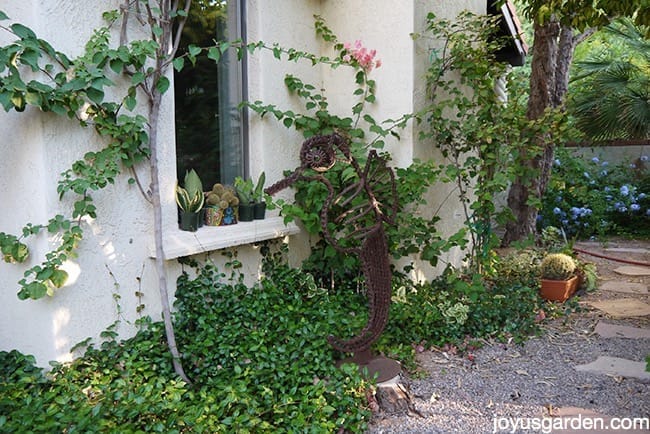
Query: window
[(211, 132), (210, 129)]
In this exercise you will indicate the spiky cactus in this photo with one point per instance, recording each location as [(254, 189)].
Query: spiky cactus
[(222, 197), (558, 266)]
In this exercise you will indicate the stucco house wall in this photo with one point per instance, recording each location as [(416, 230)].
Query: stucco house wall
[(115, 257)]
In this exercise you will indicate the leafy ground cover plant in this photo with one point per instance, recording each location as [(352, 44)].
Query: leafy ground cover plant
[(591, 197), (450, 310), (258, 359), (257, 356)]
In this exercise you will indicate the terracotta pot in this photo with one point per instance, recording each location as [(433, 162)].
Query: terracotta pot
[(559, 290)]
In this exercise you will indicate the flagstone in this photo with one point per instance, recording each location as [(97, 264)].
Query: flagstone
[(616, 366), (621, 308), (607, 330), (633, 270), (621, 286)]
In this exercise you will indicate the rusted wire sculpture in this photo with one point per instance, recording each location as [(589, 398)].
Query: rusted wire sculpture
[(360, 210)]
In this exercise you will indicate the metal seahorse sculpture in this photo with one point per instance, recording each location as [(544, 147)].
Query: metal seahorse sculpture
[(360, 210)]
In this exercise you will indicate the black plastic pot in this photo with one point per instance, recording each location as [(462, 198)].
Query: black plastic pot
[(246, 212), (189, 221), (259, 210)]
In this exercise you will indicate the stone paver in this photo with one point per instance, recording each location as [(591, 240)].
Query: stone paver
[(621, 308), (584, 421), (627, 287), (607, 330), (633, 270), (618, 367)]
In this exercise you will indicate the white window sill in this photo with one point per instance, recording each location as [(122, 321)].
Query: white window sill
[(179, 243)]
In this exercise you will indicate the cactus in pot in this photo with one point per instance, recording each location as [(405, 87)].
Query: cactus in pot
[(251, 195), (558, 266), (559, 277), (222, 205)]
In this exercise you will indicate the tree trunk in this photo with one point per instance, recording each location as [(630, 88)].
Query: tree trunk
[(536, 164), (157, 218)]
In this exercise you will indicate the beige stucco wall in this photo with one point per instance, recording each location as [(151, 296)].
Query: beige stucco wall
[(114, 258)]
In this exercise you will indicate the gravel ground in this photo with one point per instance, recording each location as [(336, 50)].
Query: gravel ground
[(458, 396), (455, 395)]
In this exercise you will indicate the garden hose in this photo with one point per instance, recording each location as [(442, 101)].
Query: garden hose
[(625, 261)]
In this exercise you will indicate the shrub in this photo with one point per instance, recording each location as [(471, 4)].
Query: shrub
[(591, 197), (452, 308)]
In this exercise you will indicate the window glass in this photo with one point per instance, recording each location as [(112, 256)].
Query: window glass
[(209, 125)]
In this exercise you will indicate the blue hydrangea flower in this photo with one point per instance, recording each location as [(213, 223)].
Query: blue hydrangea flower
[(644, 158), (595, 160), (557, 162), (635, 207), (557, 211), (605, 163), (641, 196), (603, 173), (625, 190)]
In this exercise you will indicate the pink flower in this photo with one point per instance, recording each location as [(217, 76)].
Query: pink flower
[(364, 58)]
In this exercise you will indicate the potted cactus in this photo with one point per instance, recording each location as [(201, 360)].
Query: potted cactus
[(190, 202), (251, 198), (560, 278), (221, 207)]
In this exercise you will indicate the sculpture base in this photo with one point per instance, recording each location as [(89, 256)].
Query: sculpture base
[(370, 366)]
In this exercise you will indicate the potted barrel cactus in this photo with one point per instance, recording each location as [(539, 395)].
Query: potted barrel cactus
[(221, 207), (560, 278)]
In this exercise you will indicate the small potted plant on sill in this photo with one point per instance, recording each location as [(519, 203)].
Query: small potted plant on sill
[(222, 203), (560, 278), (251, 198), (190, 202)]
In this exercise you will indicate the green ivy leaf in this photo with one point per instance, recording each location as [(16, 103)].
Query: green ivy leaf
[(179, 62), (58, 278), (35, 290), (22, 32), (163, 84)]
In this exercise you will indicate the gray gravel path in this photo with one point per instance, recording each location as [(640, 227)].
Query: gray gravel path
[(532, 380)]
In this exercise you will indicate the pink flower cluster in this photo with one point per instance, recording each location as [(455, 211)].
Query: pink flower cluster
[(364, 57)]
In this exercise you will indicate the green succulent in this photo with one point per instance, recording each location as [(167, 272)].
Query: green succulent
[(248, 191), (192, 183), (188, 202)]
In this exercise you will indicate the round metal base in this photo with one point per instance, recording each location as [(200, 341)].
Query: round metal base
[(383, 367)]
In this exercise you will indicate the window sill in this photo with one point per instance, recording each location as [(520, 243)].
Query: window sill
[(179, 243)]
